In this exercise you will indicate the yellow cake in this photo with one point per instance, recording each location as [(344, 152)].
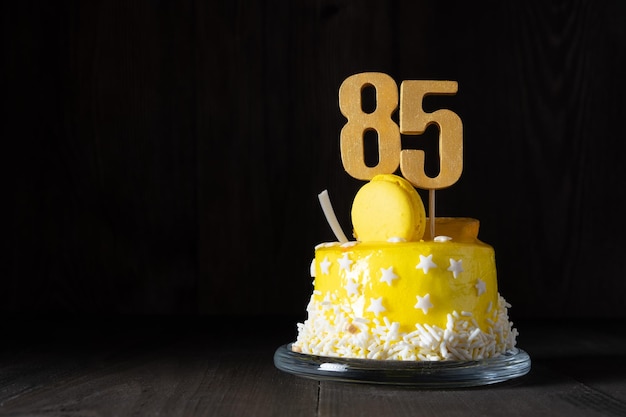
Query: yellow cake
[(391, 294)]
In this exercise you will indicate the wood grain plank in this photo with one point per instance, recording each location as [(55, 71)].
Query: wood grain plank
[(154, 367), (147, 367), (178, 382), (224, 367), (252, 386), (541, 393), (588, 352)]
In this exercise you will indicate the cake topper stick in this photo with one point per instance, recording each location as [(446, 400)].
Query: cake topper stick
[(331, 218), (431, 212)]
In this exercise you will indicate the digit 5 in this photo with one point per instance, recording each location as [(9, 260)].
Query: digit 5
[(414, 121)]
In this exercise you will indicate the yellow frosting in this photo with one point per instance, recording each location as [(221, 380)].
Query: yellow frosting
[(388, 207), (400, 272)]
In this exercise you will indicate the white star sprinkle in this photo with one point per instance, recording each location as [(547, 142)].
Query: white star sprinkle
[(376, 305), (325, 265), (426, 263), (352, 287), (481, 287), (424, 303), (345, 263), (388, 275), (456, 267)]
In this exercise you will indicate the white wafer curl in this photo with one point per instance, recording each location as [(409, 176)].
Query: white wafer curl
[(331, 218)]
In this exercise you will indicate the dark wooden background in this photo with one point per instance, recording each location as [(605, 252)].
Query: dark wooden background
[(165, 157)]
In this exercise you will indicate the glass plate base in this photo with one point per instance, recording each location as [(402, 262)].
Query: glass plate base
[(437, 374)]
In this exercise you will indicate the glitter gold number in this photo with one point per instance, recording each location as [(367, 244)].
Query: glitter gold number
[(414, 121), (359, 122)]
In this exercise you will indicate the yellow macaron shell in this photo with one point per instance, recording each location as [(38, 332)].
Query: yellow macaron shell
[(388, 207)]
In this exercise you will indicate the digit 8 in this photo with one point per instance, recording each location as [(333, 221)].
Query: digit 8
[(352, 133)]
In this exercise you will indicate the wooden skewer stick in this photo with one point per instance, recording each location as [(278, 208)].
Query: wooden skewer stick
[(431, 212)]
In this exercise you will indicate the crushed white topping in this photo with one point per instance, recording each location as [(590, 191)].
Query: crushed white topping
[(332, 330), (349, 244), (326, 245)]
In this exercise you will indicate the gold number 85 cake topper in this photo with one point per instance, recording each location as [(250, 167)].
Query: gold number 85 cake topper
[(413, 121)]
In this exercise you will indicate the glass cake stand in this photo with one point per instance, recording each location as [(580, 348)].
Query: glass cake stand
[(423, 374)]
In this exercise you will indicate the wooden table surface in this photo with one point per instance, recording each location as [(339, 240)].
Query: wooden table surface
[(223, 366)]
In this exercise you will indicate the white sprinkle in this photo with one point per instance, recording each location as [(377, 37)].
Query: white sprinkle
[(475, 333), (444, 351), (432, 332), (425, 335), (449, 322), (442, 238), (396, 240)]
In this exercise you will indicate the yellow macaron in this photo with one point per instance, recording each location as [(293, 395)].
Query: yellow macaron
[(388, 207)]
